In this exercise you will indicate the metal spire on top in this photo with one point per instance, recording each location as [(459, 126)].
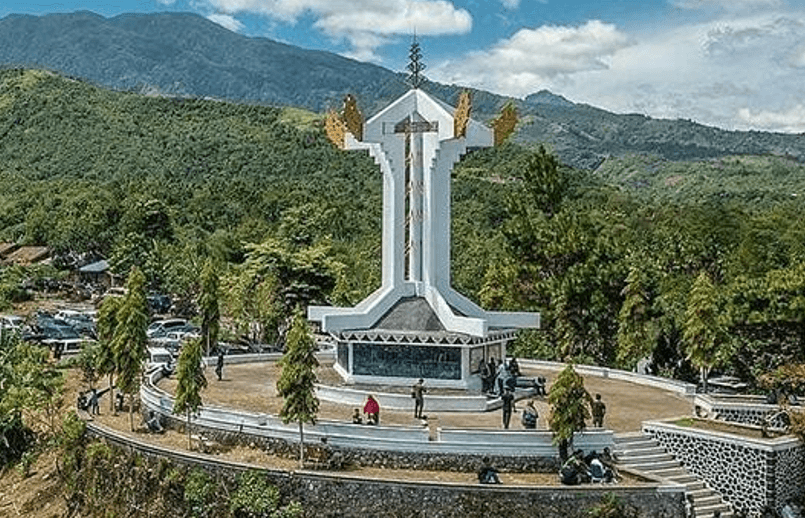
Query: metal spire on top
[(416, 66)]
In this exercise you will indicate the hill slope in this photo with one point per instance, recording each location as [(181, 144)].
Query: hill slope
[(186, 54)]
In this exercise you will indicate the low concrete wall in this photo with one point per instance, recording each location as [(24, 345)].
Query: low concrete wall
[(334, 495), (680, 387), (235, 425)]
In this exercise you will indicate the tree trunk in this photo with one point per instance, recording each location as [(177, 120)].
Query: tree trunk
[(131, 411), (301, 445), (187, 427), (112, 409)]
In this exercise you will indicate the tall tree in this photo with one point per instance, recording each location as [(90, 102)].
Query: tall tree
[(208, 305), (130, 341), (703, 329), (637, 333), (569, 402), (190, 381), (298, 377), (107, 323)]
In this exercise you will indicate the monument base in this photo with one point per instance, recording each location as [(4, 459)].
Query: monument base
[(399, 358)]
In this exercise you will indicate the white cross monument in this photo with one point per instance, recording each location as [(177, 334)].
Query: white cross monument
[(392, 336)]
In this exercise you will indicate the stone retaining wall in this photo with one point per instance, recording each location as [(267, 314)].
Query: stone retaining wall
[(333, 495), (749, 473), (749, 410)]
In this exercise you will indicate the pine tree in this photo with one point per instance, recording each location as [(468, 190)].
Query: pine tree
[(209, 307), (190, 381), (107, 323), (130, 340), (569, 402), (703, 331), (298, 377), (637, 332)]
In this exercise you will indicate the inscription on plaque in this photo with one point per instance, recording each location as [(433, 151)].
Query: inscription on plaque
[(407, 361)]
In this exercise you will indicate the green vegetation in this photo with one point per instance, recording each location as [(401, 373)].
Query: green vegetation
[(296, 384), (609, 258), (570, 403), (190, 381)]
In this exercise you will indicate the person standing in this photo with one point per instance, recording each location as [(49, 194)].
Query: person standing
[(219, 366), (508, 404), (598, 409), (418, 393), (94, 409)]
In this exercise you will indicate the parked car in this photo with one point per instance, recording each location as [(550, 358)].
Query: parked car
[(161, 328), (83, 322), (159, 304), (159, 358), (12, 322)]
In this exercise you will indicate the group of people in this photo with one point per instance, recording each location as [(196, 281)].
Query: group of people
[(497, 377), (583, 469), (371, 409)]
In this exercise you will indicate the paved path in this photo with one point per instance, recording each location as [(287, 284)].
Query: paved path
[(252, 387)]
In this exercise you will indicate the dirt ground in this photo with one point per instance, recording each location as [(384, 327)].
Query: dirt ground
[(253, 387)]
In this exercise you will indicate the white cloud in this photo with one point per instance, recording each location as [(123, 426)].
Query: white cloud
[(226, 20), (510, 4), (728, 5), (366, 24), (531, 56), (734, 71), (791, 120)]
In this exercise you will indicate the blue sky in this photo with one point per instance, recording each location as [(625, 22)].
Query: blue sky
[(736, 64)]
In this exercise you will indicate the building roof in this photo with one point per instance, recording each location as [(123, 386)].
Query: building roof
[(7, 248), (28, 255), (96, 267)]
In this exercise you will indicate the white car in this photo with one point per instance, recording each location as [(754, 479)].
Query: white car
[(11, 322), (161, 328), (158, 357)]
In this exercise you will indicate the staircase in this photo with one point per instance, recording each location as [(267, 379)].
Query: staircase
[(641, 452)]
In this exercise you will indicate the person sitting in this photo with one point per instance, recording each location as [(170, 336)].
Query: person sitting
[(356, 417), (598, 471), (154, 424), (574, 471), (529, 417), (539, 385), (609, 459), (372, 410), (488, 474)]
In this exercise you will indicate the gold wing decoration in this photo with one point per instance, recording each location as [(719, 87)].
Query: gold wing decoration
[(353, 117), (505, 124), (336, 129), (461, 118)]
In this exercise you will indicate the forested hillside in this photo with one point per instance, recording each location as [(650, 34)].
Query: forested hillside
[(184, 54), (612, 258)]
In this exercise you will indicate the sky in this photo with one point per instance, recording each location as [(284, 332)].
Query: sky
[(735, 64)]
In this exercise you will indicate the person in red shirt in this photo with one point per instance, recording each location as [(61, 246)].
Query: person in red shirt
[(372, 410)]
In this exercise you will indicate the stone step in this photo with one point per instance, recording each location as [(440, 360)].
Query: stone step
[(707, 512), (646, 456), (642, 452), (652, 466)]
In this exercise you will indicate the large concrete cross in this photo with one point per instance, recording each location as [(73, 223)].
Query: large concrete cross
[(414, 142)]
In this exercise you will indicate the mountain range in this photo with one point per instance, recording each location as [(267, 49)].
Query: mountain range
[(183, 54)]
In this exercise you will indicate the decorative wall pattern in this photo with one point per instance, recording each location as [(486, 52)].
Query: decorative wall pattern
[(748, 474)]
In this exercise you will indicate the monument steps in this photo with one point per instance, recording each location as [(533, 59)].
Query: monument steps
[(639, 451)]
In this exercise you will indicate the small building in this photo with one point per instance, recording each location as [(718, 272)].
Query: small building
[(96, 274), (27, 255)]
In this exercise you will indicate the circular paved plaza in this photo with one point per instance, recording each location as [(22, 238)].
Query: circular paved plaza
[(252, 387)]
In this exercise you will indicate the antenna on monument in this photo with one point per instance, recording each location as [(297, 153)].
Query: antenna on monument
[(415, 66)]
